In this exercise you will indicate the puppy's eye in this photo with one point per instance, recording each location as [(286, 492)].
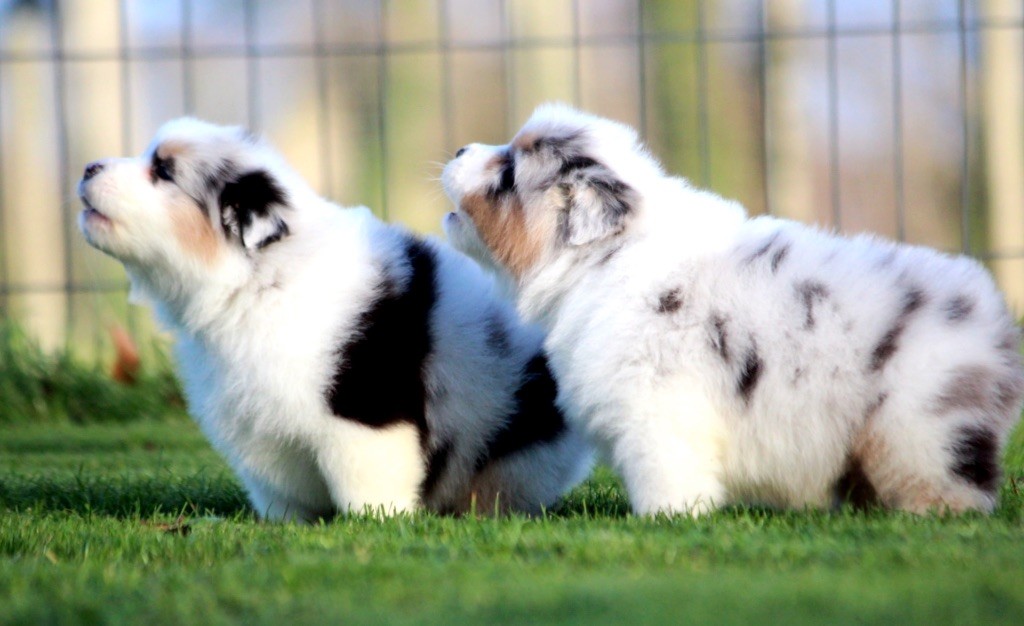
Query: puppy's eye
[(162, 169)]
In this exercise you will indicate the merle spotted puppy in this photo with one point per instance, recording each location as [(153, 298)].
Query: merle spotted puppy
[(337, 362), (717, 359)]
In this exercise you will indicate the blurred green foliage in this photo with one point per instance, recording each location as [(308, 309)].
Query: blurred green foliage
[(36, 386)]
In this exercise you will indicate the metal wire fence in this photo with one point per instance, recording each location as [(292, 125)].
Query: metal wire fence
[(862, 115)]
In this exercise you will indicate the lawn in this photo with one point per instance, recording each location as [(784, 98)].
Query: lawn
[(141, 522)]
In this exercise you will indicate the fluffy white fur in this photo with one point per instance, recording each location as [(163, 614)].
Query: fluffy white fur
[(266, 287), (716, 359)]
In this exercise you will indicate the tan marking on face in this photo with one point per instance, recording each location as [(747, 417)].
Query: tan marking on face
[(193, 230), (171, 149), (494, 162), (505, 231), (527, 142)]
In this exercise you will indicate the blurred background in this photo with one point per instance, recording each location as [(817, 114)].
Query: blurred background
[(900, 117)]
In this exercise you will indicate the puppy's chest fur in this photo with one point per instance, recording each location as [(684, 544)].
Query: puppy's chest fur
[(265, 374)]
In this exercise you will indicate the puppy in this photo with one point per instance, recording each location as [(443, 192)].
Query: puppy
[(716, 359), (337, 362)]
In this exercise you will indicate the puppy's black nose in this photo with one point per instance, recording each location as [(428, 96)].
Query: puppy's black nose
[(461, 151), (92, 169)]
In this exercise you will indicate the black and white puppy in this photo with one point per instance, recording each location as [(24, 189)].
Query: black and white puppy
[(717, 359), (337, 362)]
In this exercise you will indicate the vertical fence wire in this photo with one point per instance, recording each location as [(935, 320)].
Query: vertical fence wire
[(382, 106), (252, 66), (832, 59), (577, 87), (964, 102), (63, 155), (321, 62), (188, 82), (703, 125), (509, 67), (125, 58), (641, 53), (763, 60), (445, 43), (897, 122), (124, 68)]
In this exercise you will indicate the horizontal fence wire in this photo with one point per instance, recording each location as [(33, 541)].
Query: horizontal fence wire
[(257, 50)]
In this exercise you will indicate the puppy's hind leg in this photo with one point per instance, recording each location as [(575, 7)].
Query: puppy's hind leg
[(668, 451), (941, 455)]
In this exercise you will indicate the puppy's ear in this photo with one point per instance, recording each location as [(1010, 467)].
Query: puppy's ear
[(597, 205), (250, 210)]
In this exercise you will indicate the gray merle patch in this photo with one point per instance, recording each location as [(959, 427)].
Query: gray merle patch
[(670, 301), (750, 374), (958, 309), (811, 292), (913, 300)]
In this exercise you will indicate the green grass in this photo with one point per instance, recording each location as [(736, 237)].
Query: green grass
[(113, 509), (90, 533)]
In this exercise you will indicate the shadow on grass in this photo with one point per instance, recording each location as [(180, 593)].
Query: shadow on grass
[(126, 496), (218, 493)]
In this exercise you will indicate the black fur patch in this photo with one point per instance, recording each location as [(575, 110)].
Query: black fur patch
[(379, 380), (958, 309), (161, 168), (248, 198), (437, 465), (719, 336), (811, 292), (506, 178), (670, 301), (535, 418), (497, 335), (251, 195), (912, 301), (577, 162), (750, 374), (855, 487), (976, 457)]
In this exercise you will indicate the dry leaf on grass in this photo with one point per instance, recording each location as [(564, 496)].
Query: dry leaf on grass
[(177, 527)]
